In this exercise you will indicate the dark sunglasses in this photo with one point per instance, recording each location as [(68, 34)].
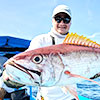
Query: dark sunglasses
[(65, 20)]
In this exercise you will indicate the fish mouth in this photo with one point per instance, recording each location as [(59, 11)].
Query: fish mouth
[(20, 67)]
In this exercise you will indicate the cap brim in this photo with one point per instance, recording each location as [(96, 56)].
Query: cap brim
[(63, 12)]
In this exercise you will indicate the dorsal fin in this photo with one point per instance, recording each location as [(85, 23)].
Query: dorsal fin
[(80, 40)]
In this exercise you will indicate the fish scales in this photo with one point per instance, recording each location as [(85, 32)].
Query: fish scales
[(80, 60), (61, 48)]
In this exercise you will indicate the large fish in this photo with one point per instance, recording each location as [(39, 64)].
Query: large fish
[(58, 65)]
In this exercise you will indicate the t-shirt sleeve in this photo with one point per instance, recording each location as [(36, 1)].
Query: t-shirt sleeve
[(39, 41), (35, 43)]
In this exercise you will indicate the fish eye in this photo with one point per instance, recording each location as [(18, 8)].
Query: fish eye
[(37, 59)]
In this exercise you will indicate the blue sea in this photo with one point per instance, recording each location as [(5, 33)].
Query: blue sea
[(89, 89), (86, 89)]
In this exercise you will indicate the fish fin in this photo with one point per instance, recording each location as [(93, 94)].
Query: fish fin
[(78, 76), (71, 89), (80, 40)]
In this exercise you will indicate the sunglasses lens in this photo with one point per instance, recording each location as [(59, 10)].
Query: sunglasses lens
[(59, 19), (66, 20)]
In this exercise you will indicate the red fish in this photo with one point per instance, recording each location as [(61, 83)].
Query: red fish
[(76, 59)]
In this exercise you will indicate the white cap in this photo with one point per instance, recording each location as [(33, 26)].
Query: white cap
[(61, 8)]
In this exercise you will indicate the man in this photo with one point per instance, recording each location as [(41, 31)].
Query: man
[(61, 21)]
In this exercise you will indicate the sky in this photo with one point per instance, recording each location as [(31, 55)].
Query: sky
[(29, 18)]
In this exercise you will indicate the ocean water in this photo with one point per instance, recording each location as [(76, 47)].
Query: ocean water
[(85, 88), (89, 89)]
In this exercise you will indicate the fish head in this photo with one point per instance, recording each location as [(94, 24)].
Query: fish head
[(34, 68)]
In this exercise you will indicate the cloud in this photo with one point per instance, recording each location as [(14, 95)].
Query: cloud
[(95, 37)]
